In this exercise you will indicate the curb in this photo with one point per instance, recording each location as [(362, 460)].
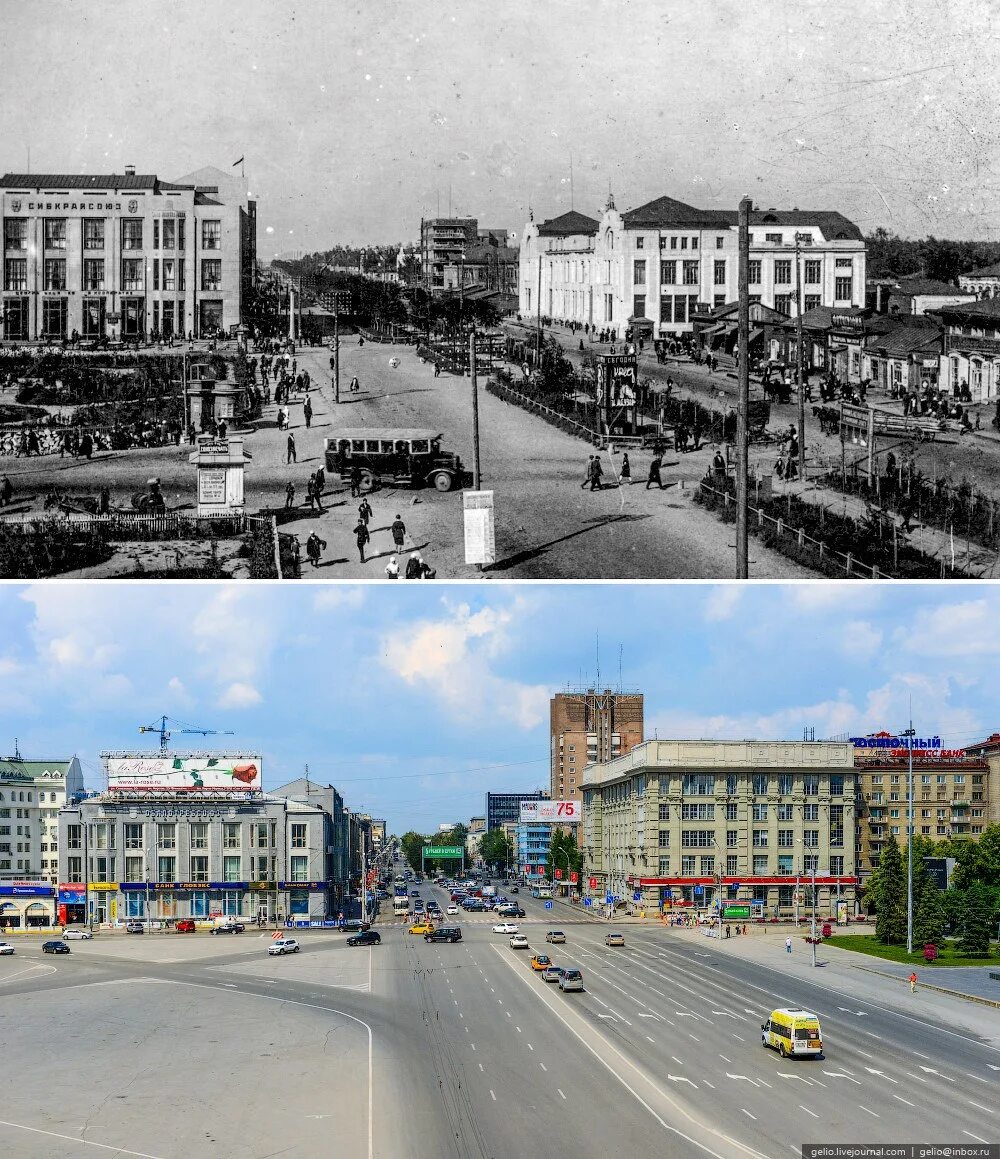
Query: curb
[(930, 986)]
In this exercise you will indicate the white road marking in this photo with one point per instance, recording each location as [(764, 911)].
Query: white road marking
[(679, 1061), (679, 1078), (931, 1070), (976, 1137), (530, 1047), (988, 1110), (836, 1074), (561, 1095), (708, 1084), (918, 1077), (724, 1059), (518, 1029), (493, 1096), (648, 1039), (473, 1045), (543, 1066), (902, 1100), (736, 1036), (978, 1077), (782, 1074), (872, 1113), (881, 1074), (747, 1113), (807, 1111), (73, 1139), (694, 1037), (753, 1082)]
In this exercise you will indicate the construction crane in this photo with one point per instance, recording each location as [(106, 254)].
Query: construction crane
[(165, 733)]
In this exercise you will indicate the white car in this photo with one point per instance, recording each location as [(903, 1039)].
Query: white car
[(452, 909), (519, 942), (506, 928), (283, 946), (6, 948), (77, 935)]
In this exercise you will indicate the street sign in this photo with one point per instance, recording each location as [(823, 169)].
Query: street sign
[(548, 905), (734, 885), (637, 896), (558, 875), (592, 883), (480, 538), (609, 898), (588, 901), (699, 889), (574, 876), (443, 850)]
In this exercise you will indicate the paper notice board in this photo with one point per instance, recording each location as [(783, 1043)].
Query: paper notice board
[(480, 541)]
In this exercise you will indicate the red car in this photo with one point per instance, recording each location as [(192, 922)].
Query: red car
[(185, 926)]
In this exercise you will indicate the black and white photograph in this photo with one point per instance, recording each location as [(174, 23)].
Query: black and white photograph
[(664, 339)]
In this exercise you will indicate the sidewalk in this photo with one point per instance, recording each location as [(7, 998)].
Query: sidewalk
[(859, 977), (719, 390)]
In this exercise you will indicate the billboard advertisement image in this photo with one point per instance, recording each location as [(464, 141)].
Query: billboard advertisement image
[(550, 812), (217, 774)]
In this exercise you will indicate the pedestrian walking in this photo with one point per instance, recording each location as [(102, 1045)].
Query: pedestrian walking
[(291, 450), (364, 511), (788, 945), (626, 472), (718, 466), (289, 494), (398, 530), (315, 548), (362, 537), (414, 567), (307, 412), (596, 471), (392, 568), (586, 477), (913, 982), (654, 473), (355, 385), (355, 481), (104, 502), (6, 491)]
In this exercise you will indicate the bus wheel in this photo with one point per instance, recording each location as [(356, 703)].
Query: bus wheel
[(367, 481), (781, 1049), (442, 481)]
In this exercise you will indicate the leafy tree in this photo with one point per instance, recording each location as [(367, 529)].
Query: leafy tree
[(566, 856), (888, 889), (928, 906), (411, 844), (496, 849), (976, 921)]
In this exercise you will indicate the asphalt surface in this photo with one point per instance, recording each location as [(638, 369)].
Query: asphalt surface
[(188, 1045), (547, 525)]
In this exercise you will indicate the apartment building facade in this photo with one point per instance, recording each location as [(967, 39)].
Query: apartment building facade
[(589, 725), (749, 825)]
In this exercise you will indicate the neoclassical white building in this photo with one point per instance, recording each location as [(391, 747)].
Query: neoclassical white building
[(665, 261)]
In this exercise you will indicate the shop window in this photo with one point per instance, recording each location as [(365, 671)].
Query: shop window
[(15, 274)]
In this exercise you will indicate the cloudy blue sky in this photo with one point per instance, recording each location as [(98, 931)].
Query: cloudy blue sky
[(414, 699), (356, 117)]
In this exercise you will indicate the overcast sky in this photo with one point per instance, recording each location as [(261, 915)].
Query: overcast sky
[(415, 699), (358, 118)]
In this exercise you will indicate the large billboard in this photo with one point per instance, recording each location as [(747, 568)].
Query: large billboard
[(550, 812), (165, 774)]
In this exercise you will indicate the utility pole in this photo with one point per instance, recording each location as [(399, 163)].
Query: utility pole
[(364, 879), (538, 332), (743, 397), (476, 476), (909, 734), (336, 356), (799, 237), (813, 937)]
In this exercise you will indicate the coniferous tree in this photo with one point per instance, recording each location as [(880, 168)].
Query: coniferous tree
[(976, 916), (890, 896)]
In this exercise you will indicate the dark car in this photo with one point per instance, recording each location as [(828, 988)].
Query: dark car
[(353, 925), (134, 928), (365, 938), (55, 948), (228, 928), (514, 889), (444, 934)]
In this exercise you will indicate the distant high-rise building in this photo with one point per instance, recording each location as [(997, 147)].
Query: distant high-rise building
[(505, 808), (587, 726)]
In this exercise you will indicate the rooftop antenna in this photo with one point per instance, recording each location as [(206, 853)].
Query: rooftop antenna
[(619, 667), (571, 181), (597, 642), (17, 751)]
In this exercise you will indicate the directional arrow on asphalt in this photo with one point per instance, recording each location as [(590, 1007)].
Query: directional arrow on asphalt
[(881, 1074), (931, 1070), (650, 1016), (679, 1078), (836, 1074), (859, 1013), (684, 1014), (753, 1082), (802, 1079), (992, 1067)]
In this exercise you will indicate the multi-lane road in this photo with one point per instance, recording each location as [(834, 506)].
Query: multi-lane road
[(169, 1046)]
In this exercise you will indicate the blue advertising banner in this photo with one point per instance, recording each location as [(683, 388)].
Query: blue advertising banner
[(27, 890)]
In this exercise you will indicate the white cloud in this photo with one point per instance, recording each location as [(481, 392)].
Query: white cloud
[(820, 597), (239, 695), (333, 597), (970, 628), (722, 601), (860, 639), (450, 657)]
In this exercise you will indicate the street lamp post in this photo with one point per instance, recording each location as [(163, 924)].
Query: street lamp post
[(909, 734)]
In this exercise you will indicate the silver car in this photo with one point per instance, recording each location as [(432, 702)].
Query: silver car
[(6, 948), (77, 935), (571, 980)]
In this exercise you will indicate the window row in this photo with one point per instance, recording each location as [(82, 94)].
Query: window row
[(258, 868), (168, 233), (168, 272)]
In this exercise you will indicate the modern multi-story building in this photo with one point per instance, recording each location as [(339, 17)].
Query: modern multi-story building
[(31, 794), (191, 835), (505, 808), (586, 726), (443, 241), (122, 255), (532, 844), (657, 265), (687, 823), (951, 792), (336, 839)]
